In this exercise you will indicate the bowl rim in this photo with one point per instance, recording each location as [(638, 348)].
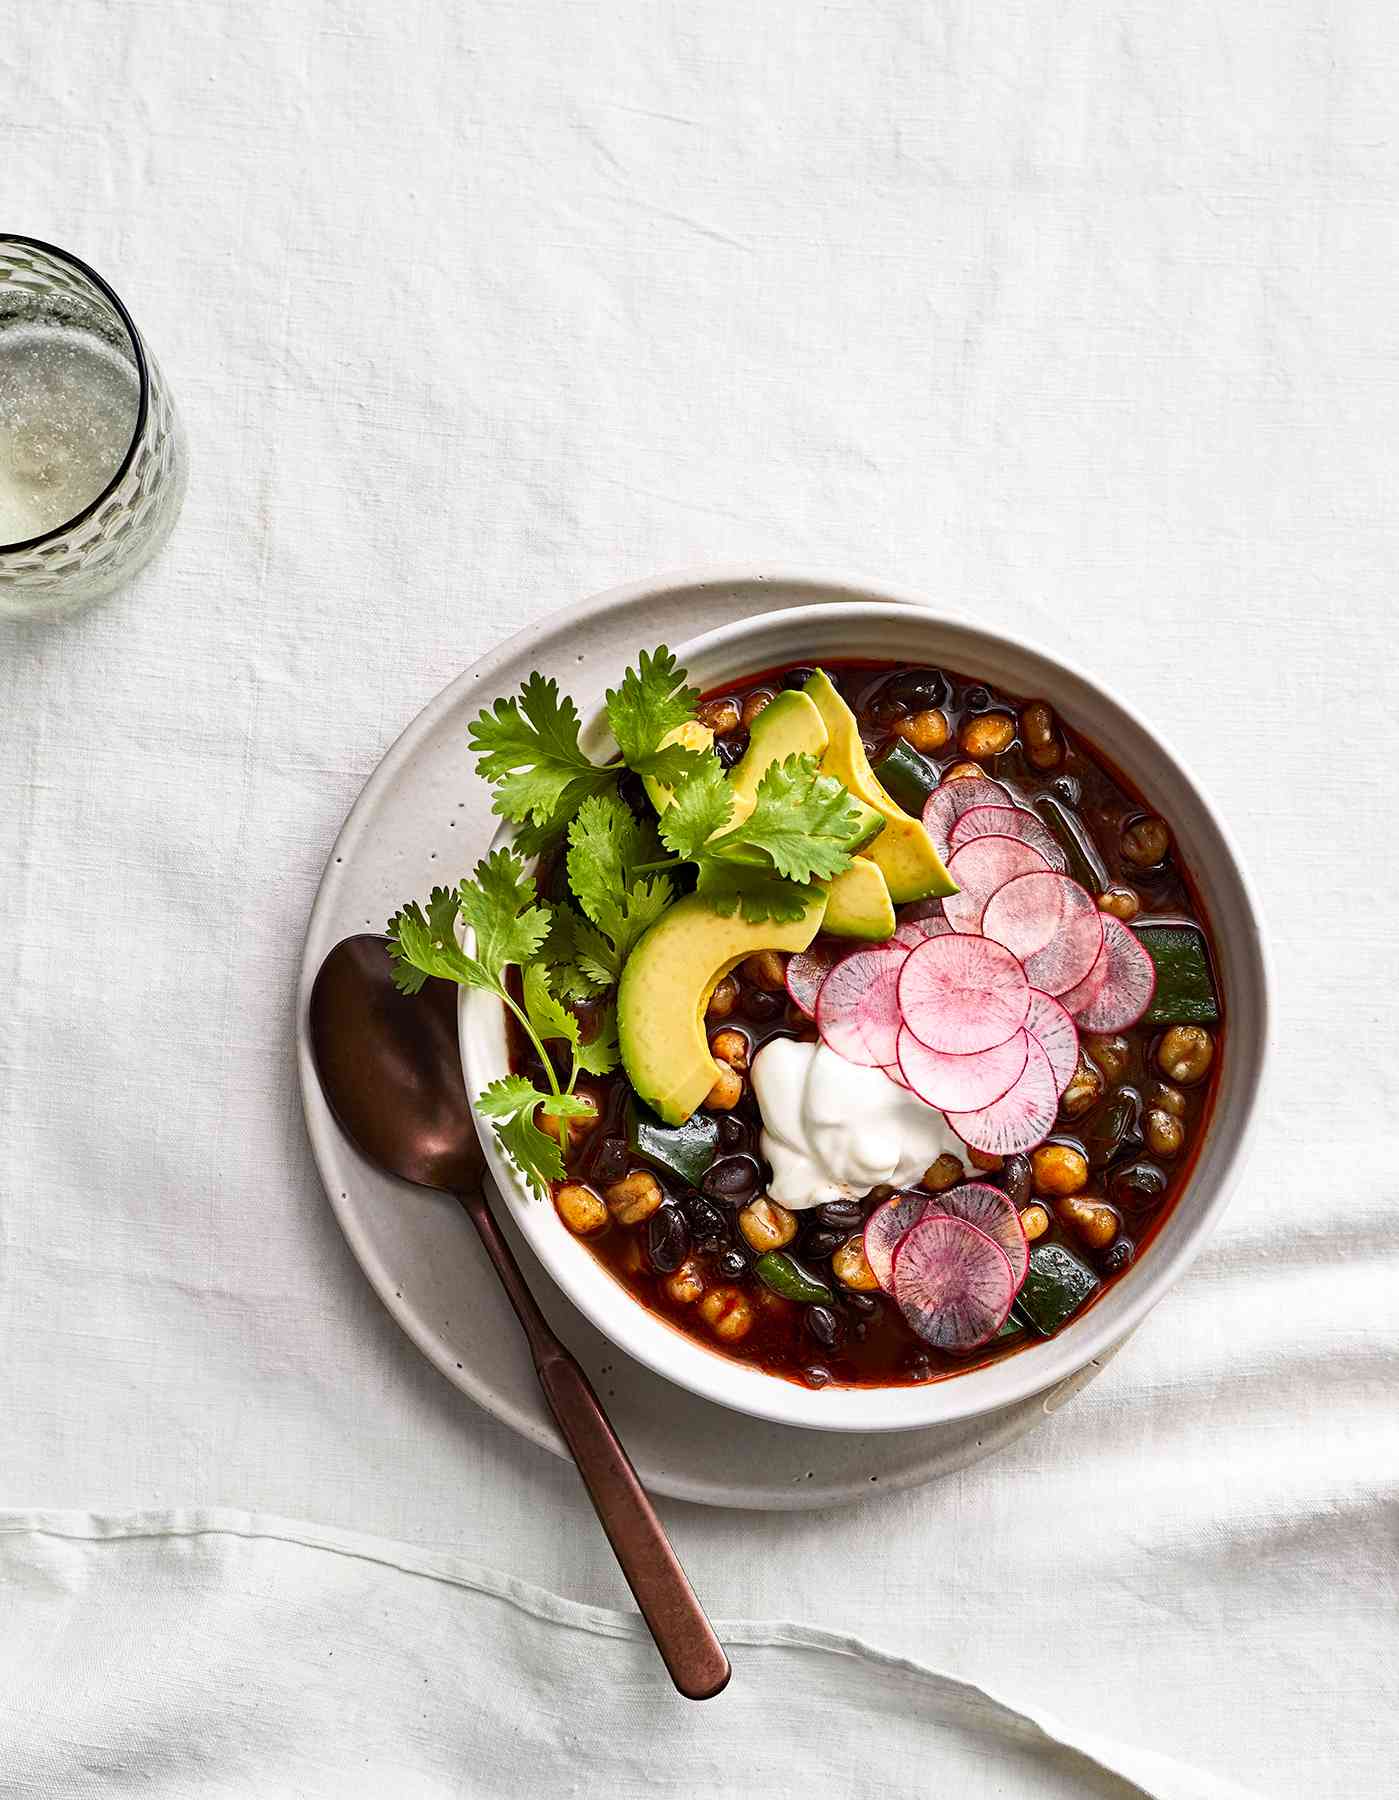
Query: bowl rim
[(678, 1356)]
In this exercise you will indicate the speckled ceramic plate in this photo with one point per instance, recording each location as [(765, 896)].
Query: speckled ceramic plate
[(424, 817)]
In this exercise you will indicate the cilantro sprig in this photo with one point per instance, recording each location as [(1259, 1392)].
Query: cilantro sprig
[(622, 873), (510, 929)]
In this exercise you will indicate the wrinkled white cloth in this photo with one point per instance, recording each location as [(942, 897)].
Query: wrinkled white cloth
[(1079, 315), (223, 1654)]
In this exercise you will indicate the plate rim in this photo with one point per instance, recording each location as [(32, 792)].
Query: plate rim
[(798, 586)]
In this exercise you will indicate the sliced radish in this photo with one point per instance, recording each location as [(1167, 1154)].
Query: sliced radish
[(896, 1075), (990, 1211), (857, 1009), (945, 805), (1009, 821), (1051, 923), (884, 1229), (1021, 1118), (1128, 984), (981, 869), (964, 1082), (910, 933), (960, 994), (953, 1284), (1074, 999), (1049, 1023), (805, 973)]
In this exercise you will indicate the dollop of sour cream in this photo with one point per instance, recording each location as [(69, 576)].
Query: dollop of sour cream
[(832, 1130)]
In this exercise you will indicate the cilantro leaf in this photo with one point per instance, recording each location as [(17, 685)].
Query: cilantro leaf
[(422, 944), (528, 747), (600, 1054), (606, 847), (700, 807), (568, 956), (803, 824), (511, 1104), (498, 904), (651, 700), (754, 893), (548, 1015)]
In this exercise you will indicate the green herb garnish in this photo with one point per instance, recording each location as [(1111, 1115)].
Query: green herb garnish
[(622, 874)]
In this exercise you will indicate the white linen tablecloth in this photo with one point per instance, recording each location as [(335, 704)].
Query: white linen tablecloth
[(1081, 314)]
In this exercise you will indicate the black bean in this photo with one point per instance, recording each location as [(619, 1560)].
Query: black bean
[(706, 1222), (732, 1178), (612, 1159), (918, 689), (732, 1264), (1016, 1178), (861, 1303), (815, 1376), (822, 1242), (841, 1215), (1138, 1187), (1119, 1256), (797, 678), (825, 1327), (733, 1133), (667, 1238), (761, 1006), (729, 749), (977, 699), (919, 1368), (1067, 789)]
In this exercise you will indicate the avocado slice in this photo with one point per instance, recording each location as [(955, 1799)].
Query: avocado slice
[(693, 736), (859, 906), (903, 850), (665, 988), (789, 725)]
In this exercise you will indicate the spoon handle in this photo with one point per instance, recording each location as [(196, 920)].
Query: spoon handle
[(686, 1640)]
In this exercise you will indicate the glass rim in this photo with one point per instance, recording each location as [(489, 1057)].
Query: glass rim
[(109, 294)]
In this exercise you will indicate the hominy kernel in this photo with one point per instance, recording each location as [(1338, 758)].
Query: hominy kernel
[(1145, 842), (945, 1173), (1058, 1169), (963, 771), (766, 970), (851, 1266), (1093, 1221), (1185, 1054), (988, 734), (1111, 1053), (728, 1312), (926, 731), (727, 1091), (731, 1047), (1085, 1089), (766, 1225), (721, 716), (634, 1198), (580, 1208), (724, 998), (1034, 1222), (1165, 1134), (1122, 902), (983, 1159), (687, 1283)]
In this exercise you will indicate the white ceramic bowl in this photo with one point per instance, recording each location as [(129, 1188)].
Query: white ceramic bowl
[(881, 625)]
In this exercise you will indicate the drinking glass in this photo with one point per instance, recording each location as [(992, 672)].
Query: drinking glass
[(92, 454)]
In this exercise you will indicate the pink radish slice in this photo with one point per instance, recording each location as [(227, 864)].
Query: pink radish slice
[(981, 869), (1051, 923), (1009, 821), (805, 973), (953, 1284), (1049, 1023), (910, 933), (884, 1229), (1074, 999), (1021, 1118), (896, 1075), (990, 1211), (961, 994), (965, 1082), (857, 1009), (1128, 985), (945, 805)]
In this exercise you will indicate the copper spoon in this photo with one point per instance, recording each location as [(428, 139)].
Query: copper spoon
[(389, 1069)]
